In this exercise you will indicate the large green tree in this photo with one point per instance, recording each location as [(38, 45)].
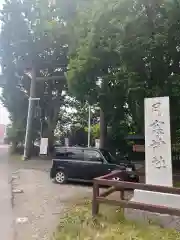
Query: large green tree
[(93, 67), (132, 48), (150, 52), (33, 35)]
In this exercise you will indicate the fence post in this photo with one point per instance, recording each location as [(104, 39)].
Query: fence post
[(122, 194), (95, 204)]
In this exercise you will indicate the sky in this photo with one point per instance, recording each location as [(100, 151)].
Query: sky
[(4, 116)]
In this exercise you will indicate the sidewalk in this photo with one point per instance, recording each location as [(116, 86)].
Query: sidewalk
[(6, 215)]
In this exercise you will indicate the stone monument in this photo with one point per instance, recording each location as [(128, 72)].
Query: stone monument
[(158, 165)]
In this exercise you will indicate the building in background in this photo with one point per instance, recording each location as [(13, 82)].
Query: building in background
[(2, 133)]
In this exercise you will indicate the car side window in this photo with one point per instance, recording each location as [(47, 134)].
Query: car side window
[(94, 156), (60, 153), (71, 154), (75, 154)]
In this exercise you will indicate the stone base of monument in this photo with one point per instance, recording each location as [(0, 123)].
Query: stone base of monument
[(155, 198)]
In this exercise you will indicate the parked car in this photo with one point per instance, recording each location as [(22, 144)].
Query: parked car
[(84, 164), (123, 160)]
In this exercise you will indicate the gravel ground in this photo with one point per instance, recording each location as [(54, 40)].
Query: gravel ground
[(42, 203), (16, 163)]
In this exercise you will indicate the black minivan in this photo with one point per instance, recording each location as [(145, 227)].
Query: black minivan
[(84, 164)]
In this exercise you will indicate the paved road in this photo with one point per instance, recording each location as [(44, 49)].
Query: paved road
[(6, 215)]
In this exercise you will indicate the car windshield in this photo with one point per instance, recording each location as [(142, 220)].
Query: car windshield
[(109, 158)]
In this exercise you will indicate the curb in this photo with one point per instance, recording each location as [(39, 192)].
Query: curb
[(14, 233)]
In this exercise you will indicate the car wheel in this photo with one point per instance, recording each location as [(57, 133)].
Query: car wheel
[(60, 177)]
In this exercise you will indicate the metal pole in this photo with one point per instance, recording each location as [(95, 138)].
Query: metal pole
[(28, 142), (89, 127), (41, 126)]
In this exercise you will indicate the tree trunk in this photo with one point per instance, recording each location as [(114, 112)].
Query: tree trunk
[(14, 147), (103, 120), (50, 140), (103, 129)]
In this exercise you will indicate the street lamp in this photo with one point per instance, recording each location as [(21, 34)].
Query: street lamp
[(32, 74), (89, 126), (32, 98)]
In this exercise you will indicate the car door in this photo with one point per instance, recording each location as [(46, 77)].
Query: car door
[(74, 163), (94, 164), (111, 162)]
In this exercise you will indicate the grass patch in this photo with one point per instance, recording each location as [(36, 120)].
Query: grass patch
[(177, 184), (15, 157), (77, 224)]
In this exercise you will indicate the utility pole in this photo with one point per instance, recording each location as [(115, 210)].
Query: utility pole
[(28, 137), (89, 127), (32, 99), (103, 123)]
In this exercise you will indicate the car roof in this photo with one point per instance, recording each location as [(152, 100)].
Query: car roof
[(80, 148)]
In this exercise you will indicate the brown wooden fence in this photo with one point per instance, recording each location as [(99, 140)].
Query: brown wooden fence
[(121, 187)]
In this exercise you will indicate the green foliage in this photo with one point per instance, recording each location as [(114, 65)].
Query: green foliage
[(132, 48), (93, 66), (15, 134), (95, 131), (33, 34), (115, 54)]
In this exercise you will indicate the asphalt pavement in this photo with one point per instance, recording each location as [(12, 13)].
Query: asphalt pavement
[(6, 213)]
